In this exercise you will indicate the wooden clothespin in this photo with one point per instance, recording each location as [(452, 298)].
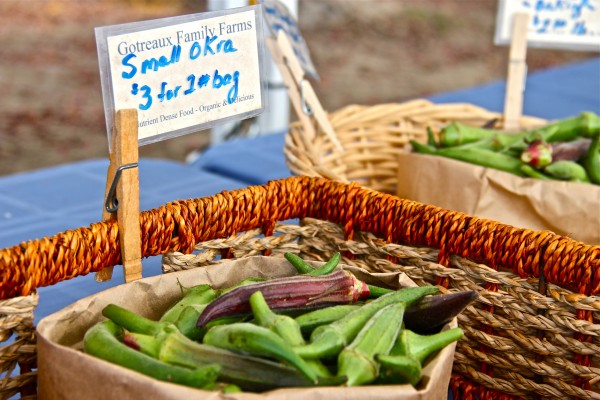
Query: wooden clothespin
[(302, 95), (122, 197), (517, 72)]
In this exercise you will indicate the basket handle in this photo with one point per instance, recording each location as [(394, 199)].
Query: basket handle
[(302, 95)]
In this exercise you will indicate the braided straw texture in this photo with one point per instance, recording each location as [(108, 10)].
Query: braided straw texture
[(518, 342), (18, 355), (372, 137)]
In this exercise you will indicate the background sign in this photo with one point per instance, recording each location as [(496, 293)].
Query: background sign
[(183, 74), (278, 17), (559, 24)]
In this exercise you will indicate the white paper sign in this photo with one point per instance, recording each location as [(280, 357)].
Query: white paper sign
[(183, 74), (558, 24)]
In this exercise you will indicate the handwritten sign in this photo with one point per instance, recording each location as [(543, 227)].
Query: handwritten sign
[(559, 24), (279, 18), (183, 74)]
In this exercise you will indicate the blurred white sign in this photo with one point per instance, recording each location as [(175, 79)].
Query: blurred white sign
[(278, 17), (558, 24)]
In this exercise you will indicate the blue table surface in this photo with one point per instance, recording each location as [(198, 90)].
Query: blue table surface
[(553, 93), (45, 202), (48, 201)]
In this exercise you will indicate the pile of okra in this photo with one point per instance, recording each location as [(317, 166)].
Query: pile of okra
[(567, 149), (321, 327)]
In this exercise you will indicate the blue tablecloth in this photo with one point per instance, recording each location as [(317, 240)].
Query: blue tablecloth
[(45, 202), (553, 93)]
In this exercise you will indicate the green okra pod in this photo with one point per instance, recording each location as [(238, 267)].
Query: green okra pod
[(431, 138), (567, 129), (410, 353), (422, 148), (459, 134), (531, 172), (484, 158), (224, 388), (259, 341), (567, 171), (582, 126), (398, 369), (201, 294), (591, 160), (329, 340), (248, 372), (305, 268), (284, 326), (356, 361), (309, 321), (378, 291), (132, 321), (301, 266), (478, 156), (421, 347), (101, 341), (186, 322)]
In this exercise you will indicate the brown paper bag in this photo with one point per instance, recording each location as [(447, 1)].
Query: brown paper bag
[(65, 372), (566, 208)]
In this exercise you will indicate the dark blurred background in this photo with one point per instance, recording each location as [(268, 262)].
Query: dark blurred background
[(365, 51)]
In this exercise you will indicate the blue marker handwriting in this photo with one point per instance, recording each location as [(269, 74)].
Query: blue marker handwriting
[(170, 92), (560, 16), (210, 46)]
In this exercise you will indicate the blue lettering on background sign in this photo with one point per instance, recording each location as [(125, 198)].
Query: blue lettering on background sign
[(559, 16)]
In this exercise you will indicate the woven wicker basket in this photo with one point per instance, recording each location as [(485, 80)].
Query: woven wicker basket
[(519, 342), (373, 136)]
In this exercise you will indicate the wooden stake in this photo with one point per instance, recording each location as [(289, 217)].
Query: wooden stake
[(123, 166), (517, 70)]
